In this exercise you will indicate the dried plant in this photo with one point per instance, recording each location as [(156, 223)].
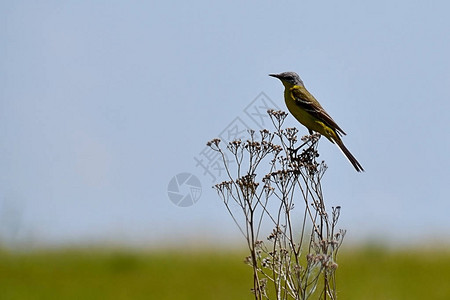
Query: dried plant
[(297, 259)]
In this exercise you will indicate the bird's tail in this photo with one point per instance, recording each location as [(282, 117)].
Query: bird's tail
[(349, 156)]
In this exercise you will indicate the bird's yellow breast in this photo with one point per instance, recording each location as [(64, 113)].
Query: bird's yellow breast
[(307, 119)]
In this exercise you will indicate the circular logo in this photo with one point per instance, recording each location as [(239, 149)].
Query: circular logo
[(184, 189)]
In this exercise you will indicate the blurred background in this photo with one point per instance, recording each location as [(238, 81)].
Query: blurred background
[(106, 108)]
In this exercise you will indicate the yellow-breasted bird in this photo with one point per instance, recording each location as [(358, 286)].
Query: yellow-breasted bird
[(308, 111)]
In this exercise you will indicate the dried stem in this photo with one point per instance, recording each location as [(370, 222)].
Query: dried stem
[(301, 247)]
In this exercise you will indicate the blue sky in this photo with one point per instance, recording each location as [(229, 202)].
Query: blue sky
[(102, 103)]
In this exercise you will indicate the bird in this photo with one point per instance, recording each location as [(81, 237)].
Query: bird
[(308, 111)]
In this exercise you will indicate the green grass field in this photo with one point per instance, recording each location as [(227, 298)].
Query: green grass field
[(366, 273)]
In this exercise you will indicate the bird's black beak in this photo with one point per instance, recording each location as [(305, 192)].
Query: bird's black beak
[(275, 75)]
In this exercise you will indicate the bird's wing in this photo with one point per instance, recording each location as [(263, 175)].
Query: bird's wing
[(307, 102)]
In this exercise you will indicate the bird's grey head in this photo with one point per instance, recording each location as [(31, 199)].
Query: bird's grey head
[(289, 77)]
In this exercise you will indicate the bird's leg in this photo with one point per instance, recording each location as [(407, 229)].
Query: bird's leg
[(296, 150), (301, 146)]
